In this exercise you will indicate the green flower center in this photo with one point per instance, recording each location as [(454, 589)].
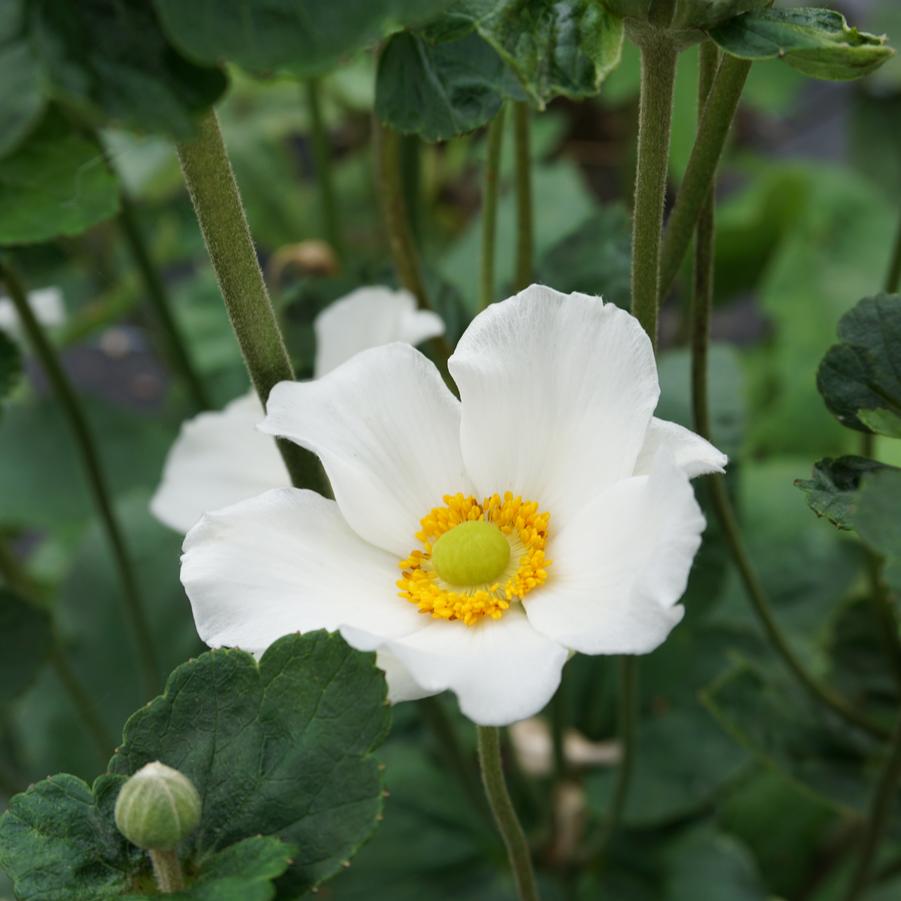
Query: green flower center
[(471, 553)]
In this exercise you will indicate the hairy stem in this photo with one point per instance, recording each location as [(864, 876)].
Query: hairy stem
[(322, 159), (489, 208), (167, 871), (504, 814), (217, 203), (93, 466), (525, 222)]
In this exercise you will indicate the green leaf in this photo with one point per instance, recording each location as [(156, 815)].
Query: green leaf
[(55, 183), (25, 641), (817, 42), (440, 90), (832, 489), (110, 61), (860, 378), (877, 520), (10, 365), (21, 97), (282, 747), (685, 13), (304, 37), (58, 842)]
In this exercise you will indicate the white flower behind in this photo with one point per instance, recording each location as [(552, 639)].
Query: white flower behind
[(221, 457), (46, 304), (475, 544)]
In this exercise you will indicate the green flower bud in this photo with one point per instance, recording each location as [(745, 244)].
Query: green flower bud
[(157, 808), (682, 14)]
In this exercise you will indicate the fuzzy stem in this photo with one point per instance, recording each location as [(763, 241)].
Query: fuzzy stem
[(217, 202), (504, 814), (168, 872), (525, 228), (489, 207), (322, 158), (658, 72), (159, 300), (713, 128), (93, 467)]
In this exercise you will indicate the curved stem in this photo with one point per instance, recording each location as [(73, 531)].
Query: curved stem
[(489, 207), (159, 299), (658, 73), (525, 227), (880, 810), (504, 815), (217, 203), (713, 129), (322, 158)]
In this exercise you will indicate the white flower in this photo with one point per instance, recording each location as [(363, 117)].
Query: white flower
[(221, 457), (46, 304), (475, 543)]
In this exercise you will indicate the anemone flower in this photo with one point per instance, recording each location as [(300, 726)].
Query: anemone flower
[(474, 543), (220, 458)]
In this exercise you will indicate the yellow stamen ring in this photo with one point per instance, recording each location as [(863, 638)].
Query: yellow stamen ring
[(462, 572)]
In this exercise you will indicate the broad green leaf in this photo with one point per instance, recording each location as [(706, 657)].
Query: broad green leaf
[(817, 42), (440, 90), (110, 61), (860, 378), (10, 365), (58, 842), (280, 747), (55, 183), (878, 522), (21, 97), (299, 36), (832, 491), (25, 641), (684, 13)]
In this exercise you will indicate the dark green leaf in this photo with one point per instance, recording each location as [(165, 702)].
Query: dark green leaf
[(299, 36), (878, 521), (55, 183), (860, 378), (58, 842), (21, 97), (110, 60), (817, 42), (440, 90), (832, 490), (282, 747), (25, 641), (10, 365)]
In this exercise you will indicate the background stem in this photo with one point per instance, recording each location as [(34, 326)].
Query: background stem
[(322, 158), (489, 207), (893, 277), (525, 226), (504, 814), (217, 203), (90, 458)]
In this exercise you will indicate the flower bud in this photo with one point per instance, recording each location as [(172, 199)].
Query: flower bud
[(157, 808)]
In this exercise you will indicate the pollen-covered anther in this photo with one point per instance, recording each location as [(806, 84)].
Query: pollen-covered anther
[(476, 559)]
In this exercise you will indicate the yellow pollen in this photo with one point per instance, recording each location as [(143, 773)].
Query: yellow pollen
[(464, 573)]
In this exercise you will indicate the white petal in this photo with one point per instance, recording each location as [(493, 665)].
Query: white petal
[(218, 459), (694, 455), (287, 562), (500, 670), (621, 565), (557, 392), (369, 317), (46, 304), (401, 685), (387, 431)]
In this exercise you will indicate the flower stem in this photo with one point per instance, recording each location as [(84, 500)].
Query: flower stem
[(168, 872), (159, 299), (525, 228), (893, 278), (217, 203), (322, 157), (658, 73), (489, 207), (91, 461), (713, 128), (504, 814), (880, 810)]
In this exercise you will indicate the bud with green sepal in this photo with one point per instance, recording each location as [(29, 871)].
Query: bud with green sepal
[(156, 809)]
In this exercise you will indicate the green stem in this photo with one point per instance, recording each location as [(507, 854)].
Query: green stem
[(880, 810), (525, 228), (409, 155), (159, 299), (713, 128), (322, 158), (504, 814), (90, 458), (893, 278), (658, 73), (168, 872), (394, 210), (217, 203), (558, 735), (489, 207)]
